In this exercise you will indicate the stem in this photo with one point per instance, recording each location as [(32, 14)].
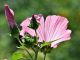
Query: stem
[(36, 55), (37, 49), (44, 56), (29, 54), (25, 48)]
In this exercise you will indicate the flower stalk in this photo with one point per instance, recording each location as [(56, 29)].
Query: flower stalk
[(44, 56), (36, 55)]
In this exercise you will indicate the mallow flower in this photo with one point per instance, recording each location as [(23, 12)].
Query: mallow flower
[(53, 29)]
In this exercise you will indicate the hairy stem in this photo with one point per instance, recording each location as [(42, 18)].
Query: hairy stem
[(36, 55), (44, 56), (37, 49), (29, 54)]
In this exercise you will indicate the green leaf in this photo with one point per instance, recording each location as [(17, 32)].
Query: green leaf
[(20, 54)]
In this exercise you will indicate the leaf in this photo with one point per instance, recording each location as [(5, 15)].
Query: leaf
[(20, 55)]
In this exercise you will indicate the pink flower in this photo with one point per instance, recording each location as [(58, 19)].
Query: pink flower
[(26, 29), (53, 29), (10, 16)]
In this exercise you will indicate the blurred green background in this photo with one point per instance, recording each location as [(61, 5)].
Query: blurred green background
[(70, 9)]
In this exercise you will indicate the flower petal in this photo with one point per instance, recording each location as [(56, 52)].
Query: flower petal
[(64, 38), (40, 30), (26, 29), (50, 26), (61, 26), (22, 32), (30, 31), (26, 22), (38, 17)]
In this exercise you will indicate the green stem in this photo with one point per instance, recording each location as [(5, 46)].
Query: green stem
[(25, 48), (44, 56), (36, 55), (37, 49), (29, 54)]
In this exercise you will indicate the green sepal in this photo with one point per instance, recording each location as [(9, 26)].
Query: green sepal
[(34, 24), (29, 41), (14, 32), (45, 44)]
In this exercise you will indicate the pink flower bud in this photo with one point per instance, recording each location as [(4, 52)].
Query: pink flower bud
[(10, 16), (11, 22)]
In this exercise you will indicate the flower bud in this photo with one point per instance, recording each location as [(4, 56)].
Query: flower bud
[(11, 22)]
